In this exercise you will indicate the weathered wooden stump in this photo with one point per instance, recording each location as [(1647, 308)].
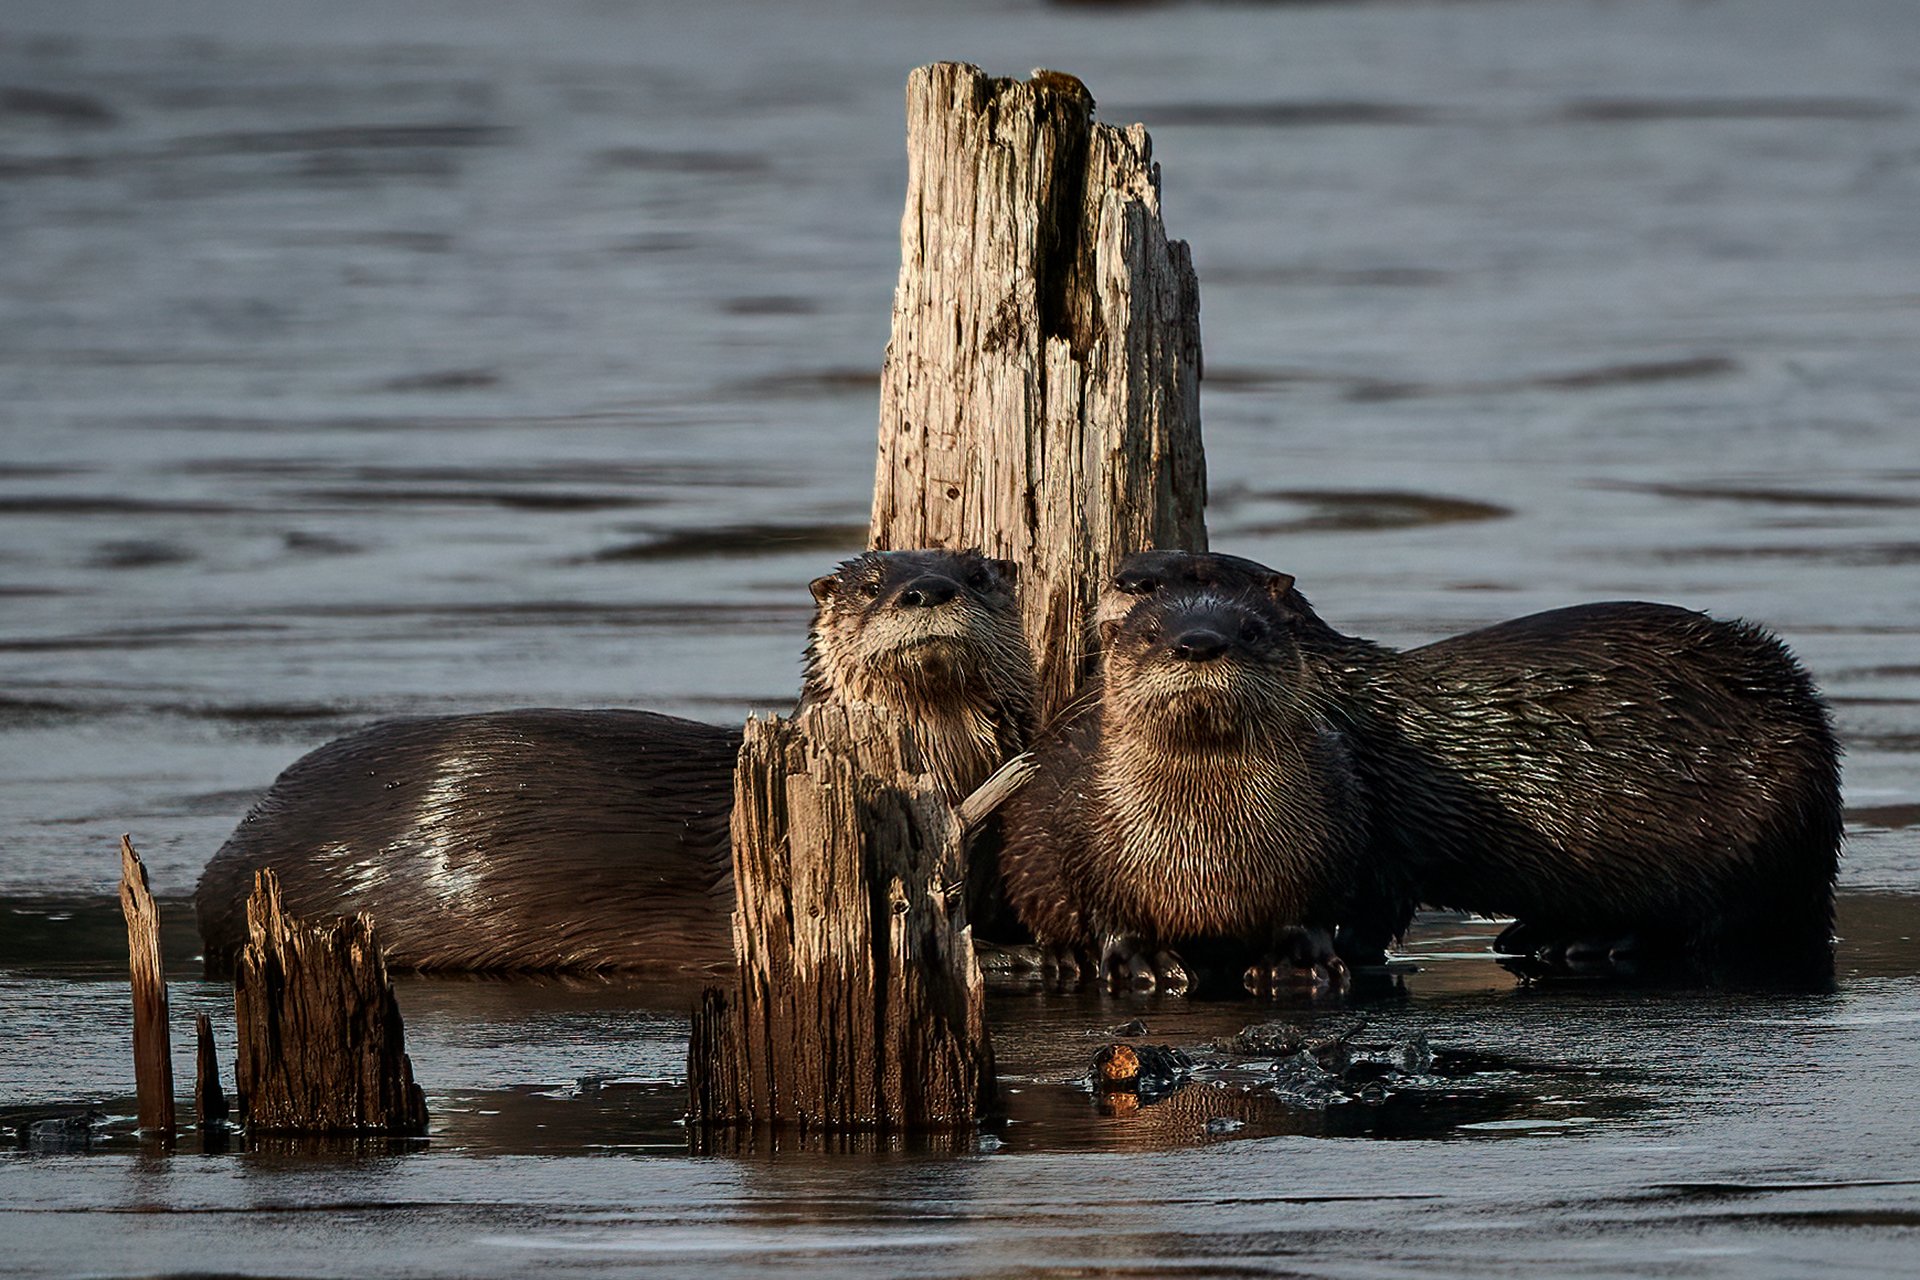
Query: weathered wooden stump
[(1041, 395), (322, 1049), (1040, 402), (857, 1003), (152, 1049)]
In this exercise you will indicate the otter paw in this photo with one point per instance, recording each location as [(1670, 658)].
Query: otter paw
[(1303, 962), (1275, 976), (1126, 962), (1598, 955), (1065, 966)]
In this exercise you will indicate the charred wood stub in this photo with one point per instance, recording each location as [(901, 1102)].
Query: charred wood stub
[(1040, 399), (857, 1003), (152, 1050), (321, 1046), (209, 1099)]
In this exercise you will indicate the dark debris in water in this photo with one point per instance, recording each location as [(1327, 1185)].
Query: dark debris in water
[(1278, 1077), (60, 1131)]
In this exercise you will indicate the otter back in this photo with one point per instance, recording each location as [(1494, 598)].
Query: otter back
[(1614, 769), (512, 840), (598, 839), (1622, 770)]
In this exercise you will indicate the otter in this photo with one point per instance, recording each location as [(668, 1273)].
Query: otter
[(556, 840), (1643, 788), (1201, 800)]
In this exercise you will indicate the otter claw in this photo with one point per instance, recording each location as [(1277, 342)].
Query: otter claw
[(1303, 961), (1278, 976), (1062, 965), (1173, 973), (1124, 963), (1603, 955)]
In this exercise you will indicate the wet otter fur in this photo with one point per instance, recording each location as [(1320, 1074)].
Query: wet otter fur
[(1202, 800), (1642, 787), (555, 840), (937, 638)]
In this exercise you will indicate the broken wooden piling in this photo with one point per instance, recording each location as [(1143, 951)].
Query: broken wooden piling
[(1040, 402), (152, 1049), (857, 1003), (322, 1048), (1041, 396)]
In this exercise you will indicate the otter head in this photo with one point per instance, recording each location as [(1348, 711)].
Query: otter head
[(1147, 573), (1200, 667), (924, 632)]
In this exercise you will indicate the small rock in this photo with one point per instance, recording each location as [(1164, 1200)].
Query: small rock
[(1224, 1124), (1266, 1040), (1131, 1029), (1149, 1070)]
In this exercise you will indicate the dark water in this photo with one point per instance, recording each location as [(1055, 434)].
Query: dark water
[(358, 360)]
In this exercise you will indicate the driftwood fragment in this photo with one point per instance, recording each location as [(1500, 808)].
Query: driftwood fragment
[(152, 1050), (321, 1049), (1040, 399), (857, 1002)]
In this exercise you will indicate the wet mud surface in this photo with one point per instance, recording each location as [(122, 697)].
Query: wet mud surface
[(377, 362)]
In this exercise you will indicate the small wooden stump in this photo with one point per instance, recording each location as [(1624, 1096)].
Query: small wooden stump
[(152, 1052), (857, 1003), (209, 1099), (321, 1048), (1041, 395)]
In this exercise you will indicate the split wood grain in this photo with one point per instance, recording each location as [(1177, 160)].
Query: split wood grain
[(152, 1049), (1040, 398), (321, 1046)]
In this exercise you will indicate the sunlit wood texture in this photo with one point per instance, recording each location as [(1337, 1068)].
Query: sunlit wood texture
[(857, 1003), (152, 1050), (321, 1047), (1041, 395)]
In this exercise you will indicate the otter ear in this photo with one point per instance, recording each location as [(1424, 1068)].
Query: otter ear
[(822, 587), (1279, 584), (1007, 569)]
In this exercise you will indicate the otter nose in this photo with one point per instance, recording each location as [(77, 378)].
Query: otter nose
[(928, 592), (1199, 645)]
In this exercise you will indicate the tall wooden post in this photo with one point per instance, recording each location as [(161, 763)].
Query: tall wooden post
[(152, 1048), (1040, 402), (1041, 396)]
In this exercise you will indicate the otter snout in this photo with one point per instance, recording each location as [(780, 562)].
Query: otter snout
[(927, 592), (1200, 644)]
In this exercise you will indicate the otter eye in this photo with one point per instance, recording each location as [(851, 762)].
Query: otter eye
[(1136, 585), (979, 579)]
